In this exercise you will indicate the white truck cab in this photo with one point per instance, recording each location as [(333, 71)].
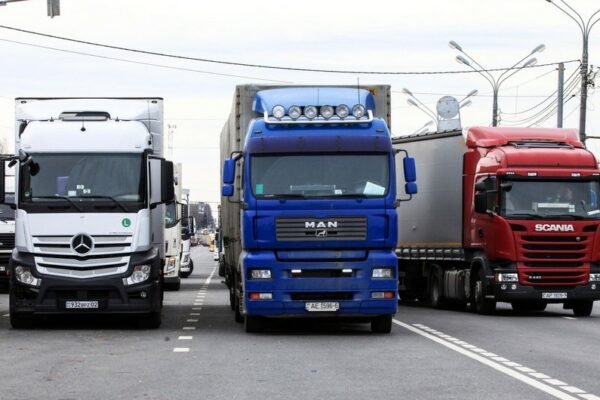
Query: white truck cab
[(173, 222)]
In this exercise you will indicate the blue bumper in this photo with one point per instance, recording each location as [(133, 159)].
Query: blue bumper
[(320, 281)]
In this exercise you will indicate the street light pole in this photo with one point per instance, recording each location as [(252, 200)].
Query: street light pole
[(585, 27), (495, 82)]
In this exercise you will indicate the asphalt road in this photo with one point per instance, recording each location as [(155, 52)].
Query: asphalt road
[(201, 353)]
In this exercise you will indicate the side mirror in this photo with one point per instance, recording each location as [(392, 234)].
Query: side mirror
[(162, 189), (410, 169), (480, 186), (481, 203), (227, 190), (2, 182), (229, 171), (167, 182), (410, 188)]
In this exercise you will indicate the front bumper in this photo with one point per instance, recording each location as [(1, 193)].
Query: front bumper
[(290, 294), (110, 292), (531, 293), (184, 265)]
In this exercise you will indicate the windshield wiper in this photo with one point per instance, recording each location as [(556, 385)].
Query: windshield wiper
[(117, 202), (566, 216), (65, 198), (286, 195), (524, 215)]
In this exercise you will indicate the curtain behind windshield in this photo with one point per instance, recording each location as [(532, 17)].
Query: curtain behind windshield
[(81, 175), (320, 175)]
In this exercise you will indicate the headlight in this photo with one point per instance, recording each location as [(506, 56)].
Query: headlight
[(382, 273), (359, 111), (23, 275), (342, 111), (171, 262), (295, 112), (594, 277), (327, 112), (310, 112), (140, 274), (260, 274), (511, 277), (278, 112)]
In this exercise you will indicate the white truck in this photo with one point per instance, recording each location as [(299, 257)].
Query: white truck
[(188, 229), (173, 222), (91, 186), (7, 229)]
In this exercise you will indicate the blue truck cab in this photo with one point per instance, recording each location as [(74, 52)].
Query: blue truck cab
[(317, 199)]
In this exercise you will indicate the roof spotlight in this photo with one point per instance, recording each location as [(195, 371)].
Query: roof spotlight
[(278, 112), (327, 112), (295, 112), (310, 112), (359, 111), (342, 111)]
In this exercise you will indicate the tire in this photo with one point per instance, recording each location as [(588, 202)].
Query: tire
[(231, 299), (528, 306), (381, 324), (152, 320), (184, 275), (239, 318), (173, 286), (580, 308), (253, 324), (191, 266), (482, 305), (436, 300)]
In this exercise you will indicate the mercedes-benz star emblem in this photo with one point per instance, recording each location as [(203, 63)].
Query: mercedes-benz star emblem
[(82, 243)]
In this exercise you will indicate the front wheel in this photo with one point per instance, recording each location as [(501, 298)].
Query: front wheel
[(482, 304), (581, 308), (381, 324), (152, 320)]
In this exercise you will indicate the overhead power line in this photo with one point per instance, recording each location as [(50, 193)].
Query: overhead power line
[(263, 66)]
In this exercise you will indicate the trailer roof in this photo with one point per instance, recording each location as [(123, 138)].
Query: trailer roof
[(494, 137)]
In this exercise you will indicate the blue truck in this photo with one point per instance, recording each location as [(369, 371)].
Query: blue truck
[(308, 209)]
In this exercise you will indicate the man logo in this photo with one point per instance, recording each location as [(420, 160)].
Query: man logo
[(82, 243), (320, 224), (321, 234)]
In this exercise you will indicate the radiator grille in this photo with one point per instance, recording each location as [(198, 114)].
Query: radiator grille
[(313, 229)]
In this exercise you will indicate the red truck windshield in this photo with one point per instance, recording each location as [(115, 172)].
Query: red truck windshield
[(550, 199)]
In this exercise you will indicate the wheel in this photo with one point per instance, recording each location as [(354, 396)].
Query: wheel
[(381, 324), (239, 318), (481, 304), (191, 266), (580, 308), (173, 286), (152, 320), (231, 299), (253, 324), (526, 306), (184, 275), (436, 300)]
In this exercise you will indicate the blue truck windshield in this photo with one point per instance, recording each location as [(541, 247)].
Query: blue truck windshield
[(529, 199), (320, 175), (84, 177)]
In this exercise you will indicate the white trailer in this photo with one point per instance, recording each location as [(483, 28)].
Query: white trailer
[(91, 187)]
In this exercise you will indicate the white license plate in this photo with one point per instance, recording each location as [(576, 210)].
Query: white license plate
[(326, 306), (72, 305), (553, 295)]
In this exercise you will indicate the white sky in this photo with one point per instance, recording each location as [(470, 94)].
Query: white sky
[(388, 35)]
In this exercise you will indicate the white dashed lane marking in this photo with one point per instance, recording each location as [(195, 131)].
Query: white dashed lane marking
[(529, 376), (185, 338), (181, 350)]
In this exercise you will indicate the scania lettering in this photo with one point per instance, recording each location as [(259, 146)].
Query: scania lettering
[(90, 218), (511, 215), (308, 217)]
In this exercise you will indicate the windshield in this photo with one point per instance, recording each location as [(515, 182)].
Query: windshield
[(550, 199), (323, 175), (84, 177), (171, 215)]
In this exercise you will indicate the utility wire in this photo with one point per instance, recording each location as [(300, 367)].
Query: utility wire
[(142, 62), (264, 66)]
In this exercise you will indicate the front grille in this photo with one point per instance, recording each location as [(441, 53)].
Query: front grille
[(7, 241), (315, 229), (320, 296), (61, 245), (554, 260)]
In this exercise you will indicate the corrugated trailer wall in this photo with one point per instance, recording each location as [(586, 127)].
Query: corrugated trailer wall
[(433, 218)]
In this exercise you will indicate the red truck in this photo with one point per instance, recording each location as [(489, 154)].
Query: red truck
[(502, 215)]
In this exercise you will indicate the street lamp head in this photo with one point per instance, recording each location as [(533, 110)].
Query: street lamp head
[(461, 60), (473, 92), (539, 49), (530, 63), (406, 91), (455, 46), (466, 104), (412, 103)]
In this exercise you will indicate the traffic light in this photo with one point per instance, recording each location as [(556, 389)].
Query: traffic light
[(53, 8)]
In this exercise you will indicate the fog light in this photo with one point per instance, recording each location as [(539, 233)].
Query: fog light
[(593, 286), (382, 273), (511, 277), (23, 275), (594, 277), (140, 274), (278, 112), (378, 295), (295, 112), (327, 112), (503, 286), (513, 286), (260, 274), (143, 295)]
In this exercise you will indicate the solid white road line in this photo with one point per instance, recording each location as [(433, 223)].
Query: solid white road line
[(490, 363)]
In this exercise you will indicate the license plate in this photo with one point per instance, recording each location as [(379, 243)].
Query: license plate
[(553, 295), (328, 306), (75, 305), (2, 268)]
